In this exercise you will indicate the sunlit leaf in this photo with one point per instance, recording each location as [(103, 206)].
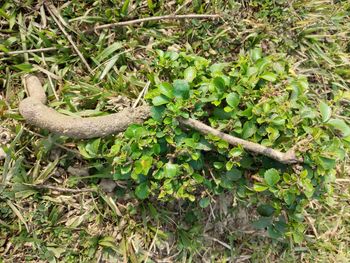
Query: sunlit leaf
[(271, 177)]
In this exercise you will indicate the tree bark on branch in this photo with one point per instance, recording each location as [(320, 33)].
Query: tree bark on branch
[(36, 113)]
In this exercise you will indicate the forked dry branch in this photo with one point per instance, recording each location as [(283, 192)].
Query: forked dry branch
[(36, 113)]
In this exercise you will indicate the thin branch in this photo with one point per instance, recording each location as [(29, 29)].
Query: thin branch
[(287, 158), (17, 213), (142, 93), (153, 18), (36, 50), (60, 189), (47, 72), (342, 180), (22, 31), (2, 153), (36, 113), (57, 21)]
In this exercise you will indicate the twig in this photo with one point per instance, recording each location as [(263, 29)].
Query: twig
[(56, 13), (2, 153), (287, 158), (47, 72), (153, 18), (50, 75), (152, 244), (143, 91), (311, 224), (22, 31), (219, 241), (36, 50), (57, 21), (60, 189), (342, 180), (18, 213)]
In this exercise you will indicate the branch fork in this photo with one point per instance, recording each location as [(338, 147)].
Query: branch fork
[(35, 112)]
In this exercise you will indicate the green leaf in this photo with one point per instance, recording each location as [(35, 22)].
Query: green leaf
[(269, 76), (232, 99), (125, 7), (219, 84), (157, 113), (327, 163), (249, 129), (272, 177), (289, 198), (24, 67), (326, 111), (109, 66), (262, 222), (256, 54), (160, 100), (146, 163), (181, 89), (190, 74), (265, 210), (273, 232), (93, 146), (108, 51), (135, 131), (218, 165), (340, 125), (170, 170), (108, 242), (298, 237), (150, 5), (204, 202), (166, 89), (218, 67), (234, 174), (260, 187), (142, 191)]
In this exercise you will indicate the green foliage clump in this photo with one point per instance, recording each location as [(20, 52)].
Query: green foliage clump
[(258, 98)]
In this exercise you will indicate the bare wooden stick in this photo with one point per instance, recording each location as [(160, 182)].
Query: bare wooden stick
[(60, 189), (142, 93), (35, 50), (57, 21), (287, 158), (153, 18), (342, 180), (47, 72), (2, 154)]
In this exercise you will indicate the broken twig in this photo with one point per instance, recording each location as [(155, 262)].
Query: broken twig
[(60, 189), (153, 18), (50, 8), (36, 50), (287, 158)]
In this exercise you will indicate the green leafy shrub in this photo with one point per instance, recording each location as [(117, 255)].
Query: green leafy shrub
[(258, 98)]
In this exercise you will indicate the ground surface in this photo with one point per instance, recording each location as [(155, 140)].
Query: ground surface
[(60, 225)]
